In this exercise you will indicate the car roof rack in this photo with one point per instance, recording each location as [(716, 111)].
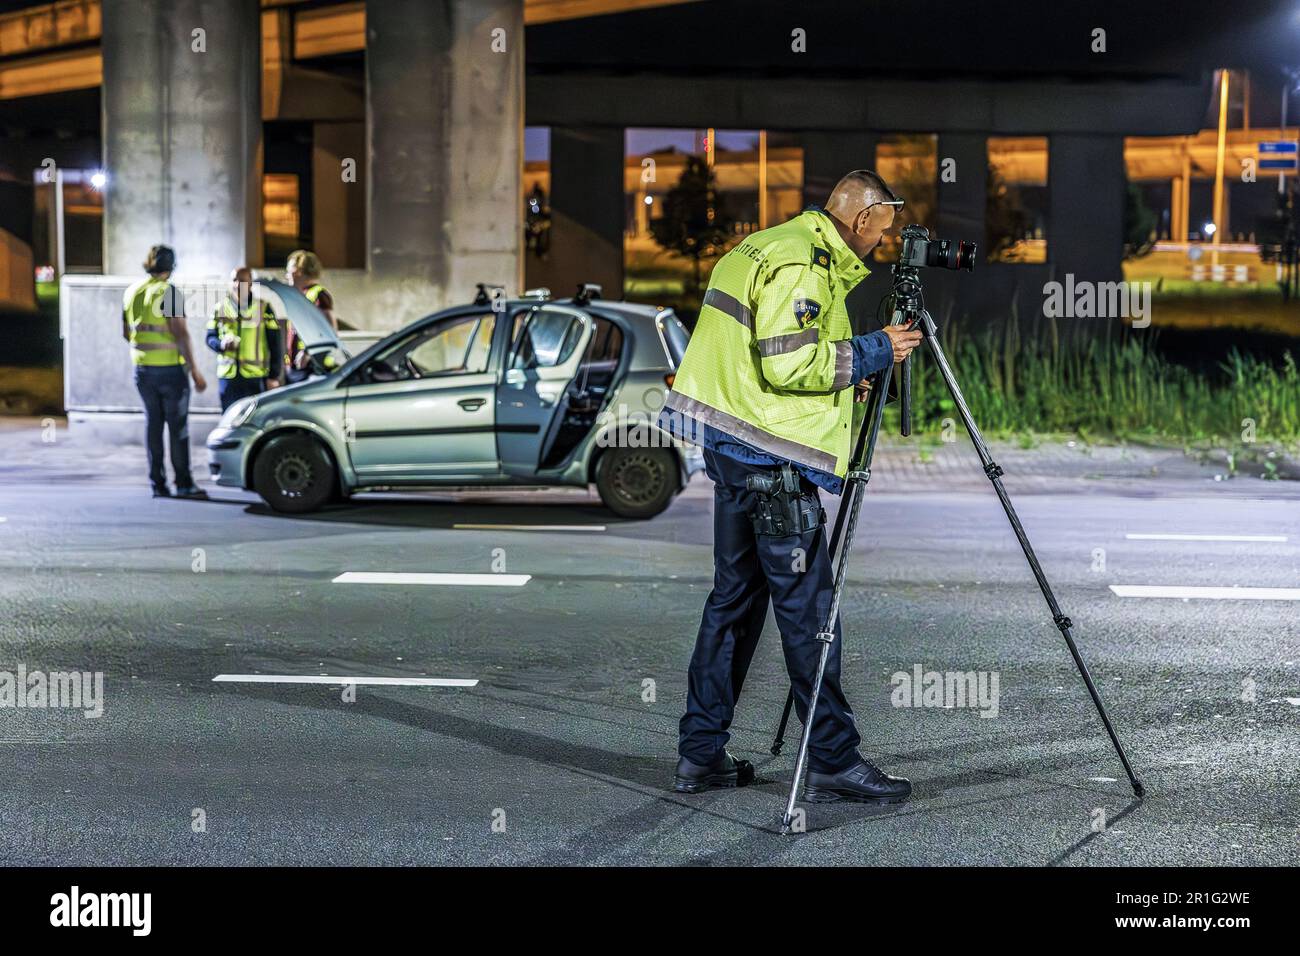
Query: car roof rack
[(586, 292), (541, 292), (484, 297)]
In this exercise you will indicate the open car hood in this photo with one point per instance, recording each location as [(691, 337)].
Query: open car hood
[(308, 321)]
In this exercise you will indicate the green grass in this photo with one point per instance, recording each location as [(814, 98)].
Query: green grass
[(1120, 389)]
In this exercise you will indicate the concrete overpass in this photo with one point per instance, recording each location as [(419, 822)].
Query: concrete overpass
[(438, 101)]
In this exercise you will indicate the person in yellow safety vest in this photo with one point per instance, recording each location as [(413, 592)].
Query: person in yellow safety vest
[(244, 334), (303, 270), (767, 387), (153, 324)]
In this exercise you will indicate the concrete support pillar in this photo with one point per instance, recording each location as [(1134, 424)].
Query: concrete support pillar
[(587, 211), (444, 97), (828, 156), (182, 130), (962, 202), (338, 203), (1086, 183)]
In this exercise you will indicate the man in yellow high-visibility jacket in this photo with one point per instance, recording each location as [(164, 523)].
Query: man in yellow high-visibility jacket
[(767, 387), (153, 323), (246, 337)]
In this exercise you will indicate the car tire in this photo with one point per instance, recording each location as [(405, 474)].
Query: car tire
[(294, 474), (637, 482)]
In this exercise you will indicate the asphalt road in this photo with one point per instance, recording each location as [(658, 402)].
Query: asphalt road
[(561, 754)]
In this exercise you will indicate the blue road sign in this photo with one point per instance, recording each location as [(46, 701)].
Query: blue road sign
[(1278, 154)]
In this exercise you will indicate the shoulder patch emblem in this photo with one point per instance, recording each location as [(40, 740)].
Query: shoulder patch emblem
[(822, 258), (806, 312)]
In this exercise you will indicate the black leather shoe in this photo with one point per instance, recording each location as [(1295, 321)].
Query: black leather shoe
[(863, 782), (161, 491), (192, 492), (726, 771)]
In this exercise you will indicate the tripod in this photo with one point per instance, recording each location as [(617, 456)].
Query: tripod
[(909, 310)]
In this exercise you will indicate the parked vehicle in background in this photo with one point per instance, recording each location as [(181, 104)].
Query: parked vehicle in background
[(524, 391)]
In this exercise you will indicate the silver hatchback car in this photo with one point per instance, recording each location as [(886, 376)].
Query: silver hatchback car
[(497, 392)]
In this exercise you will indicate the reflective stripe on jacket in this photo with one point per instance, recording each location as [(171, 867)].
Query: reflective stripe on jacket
[(770, 361)]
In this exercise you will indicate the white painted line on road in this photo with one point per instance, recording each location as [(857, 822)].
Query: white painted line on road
[(1206, 537), (528, 527), (1209, 593), (423, 577), (343, 679)]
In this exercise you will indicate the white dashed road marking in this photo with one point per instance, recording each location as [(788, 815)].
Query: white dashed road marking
[(341, 679), (528, 527), (1206, 537), (423, 577), (1206, 593)]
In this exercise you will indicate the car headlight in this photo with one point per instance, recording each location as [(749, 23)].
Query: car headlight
[(238, 413)]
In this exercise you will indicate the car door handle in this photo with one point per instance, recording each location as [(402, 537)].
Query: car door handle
[(472, 404)]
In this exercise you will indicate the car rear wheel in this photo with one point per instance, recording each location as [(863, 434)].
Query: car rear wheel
[(294, 474), (637, 482)]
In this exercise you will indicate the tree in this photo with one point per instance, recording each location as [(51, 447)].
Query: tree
[(694, 223), (1139, 224), (1005, 221)]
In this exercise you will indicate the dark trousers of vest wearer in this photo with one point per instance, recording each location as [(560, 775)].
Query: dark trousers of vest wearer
[(165, 392), (233, 389), (749, 571)]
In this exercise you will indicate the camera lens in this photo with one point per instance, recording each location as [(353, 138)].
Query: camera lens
[(952, 254)]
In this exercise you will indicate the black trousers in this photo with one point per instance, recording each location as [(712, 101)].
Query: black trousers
[(750, 571), (233, 389), (165, 392)]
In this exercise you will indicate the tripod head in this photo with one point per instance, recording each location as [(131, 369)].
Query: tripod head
[(907, 299)]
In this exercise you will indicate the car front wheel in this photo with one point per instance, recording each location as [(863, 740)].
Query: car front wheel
[(294, 474), (637, 482)]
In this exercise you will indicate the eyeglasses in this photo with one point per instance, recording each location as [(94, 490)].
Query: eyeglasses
[(896, 203)]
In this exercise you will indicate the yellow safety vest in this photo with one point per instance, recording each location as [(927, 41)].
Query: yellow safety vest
[(770, 361), (143, 307), (251, 358)]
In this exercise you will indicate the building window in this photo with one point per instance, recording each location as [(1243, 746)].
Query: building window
[(691, 194)]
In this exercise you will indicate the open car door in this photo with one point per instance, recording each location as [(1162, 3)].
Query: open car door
[(547, 345)]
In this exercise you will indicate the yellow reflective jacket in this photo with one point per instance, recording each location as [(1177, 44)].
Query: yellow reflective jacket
[(770, 361), (252, 358), (146, 306)]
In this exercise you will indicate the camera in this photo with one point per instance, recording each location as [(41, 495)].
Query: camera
[(920, 250)]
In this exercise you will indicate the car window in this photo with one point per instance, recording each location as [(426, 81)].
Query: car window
[(600, 361), (675, 336), (459, 345), (544, 338)]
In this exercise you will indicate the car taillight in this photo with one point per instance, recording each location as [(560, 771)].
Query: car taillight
[(669, 378)]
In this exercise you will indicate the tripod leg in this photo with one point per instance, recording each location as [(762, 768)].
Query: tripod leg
[(856, 488), (994, 472), (863, 451), (778, 742)]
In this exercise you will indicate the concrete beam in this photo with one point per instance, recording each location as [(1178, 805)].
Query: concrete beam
[(1155, 108)]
